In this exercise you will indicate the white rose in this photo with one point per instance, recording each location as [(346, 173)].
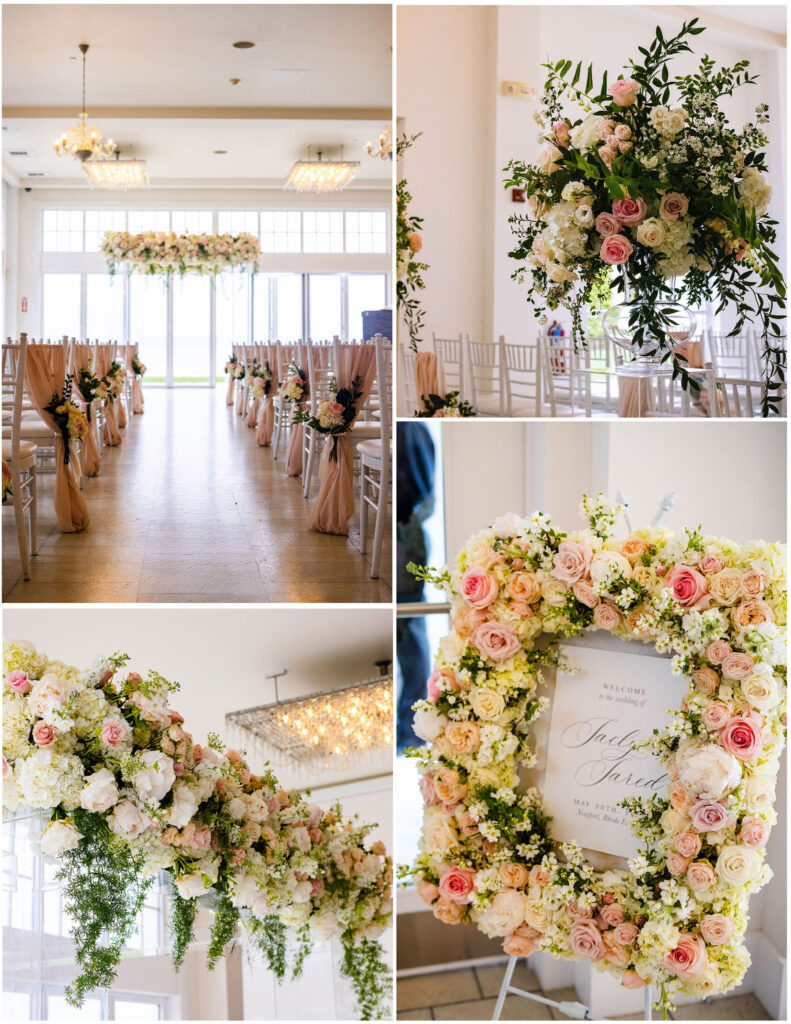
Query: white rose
[(191, 885), (504, 914), (537, 915), (58, 837), (439, 835), (153, 781), (549, 158), (604, 563), (672, 822), (184, 806), (708, 771), (301, 838), (100, 792), (554, 592), (651, 233), (128, 820), (428, 725), (737, 865), (48, 693), (759, 794), (487, 704), (760, 689)]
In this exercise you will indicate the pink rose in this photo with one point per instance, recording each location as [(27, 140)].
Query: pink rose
[(676, 864), (578, 911), (336, 409), (689, 958), (6, 768), (743, 736), (572, 561), (607, 225), (496, 641), (457, 885), (612, 915), (585, 940), (737, 665), (626, 933), (467, 619), (711, 563), (688, 587), (606, 616), (43, 734), (585, 594), (201, 838), (631, 979), (706, 679), (624, 92), (113, 733), (716, 715), (433, 688), (18, 681), (629, 211), (561, 133), (687, 844), (700, 876), (718, 651), (709, 816), (478, 587), (538, 876), (754, 832), (716, 929), (673, 206), (615, 250)]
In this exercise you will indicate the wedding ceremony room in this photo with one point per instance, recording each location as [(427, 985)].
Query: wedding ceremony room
[(245, 871), (198, 266), (608, 236)]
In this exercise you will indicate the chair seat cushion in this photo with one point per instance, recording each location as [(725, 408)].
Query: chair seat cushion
[(366, 430), (26, 449), (372, 449), (36, 428)]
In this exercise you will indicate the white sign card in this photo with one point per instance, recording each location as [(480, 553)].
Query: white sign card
[(613, 699)]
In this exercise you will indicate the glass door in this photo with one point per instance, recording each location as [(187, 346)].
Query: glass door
[(231, 317), (104, 308), (61, 307), (148, 324), (192, 302)]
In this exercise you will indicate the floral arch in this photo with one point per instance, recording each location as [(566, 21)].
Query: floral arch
[(131, 794), (676, 918)]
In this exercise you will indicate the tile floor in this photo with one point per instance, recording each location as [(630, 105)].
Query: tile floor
[(472, 994), (190, 509)]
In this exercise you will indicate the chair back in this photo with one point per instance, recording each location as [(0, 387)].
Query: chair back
[(407, 377), (521, 376), (450, 355), (734, 356), (486, 376), (19, 357), (384, 387), (740, 397)]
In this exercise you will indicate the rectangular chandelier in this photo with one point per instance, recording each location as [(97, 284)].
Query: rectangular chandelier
[(118, 175), (321, 175), (333, 727)]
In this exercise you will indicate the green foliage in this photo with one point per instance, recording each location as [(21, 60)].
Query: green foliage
[(304, 947), (370, 977), (268, 937), (432, 404), (409, 270), (429, 575), (182, 925), (103, 890), (226, 917)]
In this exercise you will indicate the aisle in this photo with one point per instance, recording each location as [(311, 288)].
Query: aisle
[(189, 508)]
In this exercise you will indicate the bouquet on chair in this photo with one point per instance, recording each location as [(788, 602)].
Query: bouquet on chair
[(7, 492), (653, 180), (445, 406), (235, 368), (335, 414), (294, 386), (91, 387), (116, 376), (138, 368), (69, 420), (261, 383)]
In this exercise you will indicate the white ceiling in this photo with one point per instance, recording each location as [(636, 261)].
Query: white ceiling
[(769, 17), (221, 656), (326, 63)]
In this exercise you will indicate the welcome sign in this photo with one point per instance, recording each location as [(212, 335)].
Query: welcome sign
[(609, 702)]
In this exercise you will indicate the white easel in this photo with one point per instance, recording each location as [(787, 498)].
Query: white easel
[(574, 1010)]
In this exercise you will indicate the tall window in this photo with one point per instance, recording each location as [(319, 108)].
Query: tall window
[(148, 324), (104, 308), (365, 292), (62, 306), (191, 329), (232, 315), (325, 306)]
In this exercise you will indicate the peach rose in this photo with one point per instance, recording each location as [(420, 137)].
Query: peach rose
[(754, 832), (689, 958), (415, 241), (676, 864), (616, 250), (743, 736), (467, 620), (716, 929), (464, 736), (614, 952), (585, 940), (753, 583), (711, 563), (633, 548), (538, 876), (496, 641), (560, 132), (513, 876), (585, 594), (687, 844), (752, 613), (716, 715), (688, 587), (426, 787), (606, 616), (113, 733), (679, 798), (672, 206), (631, 979), (524, 587), (572, 561), (633, 621), (519, 945), (478, 587), (457, 885), (718, 651), (706, 679), (43, 734), (626, 933), (428, 892), (449, 787), (624, 92), (613, 915), (700, 876), (578, 911), (447, 911), (737, 665), (725, 585)]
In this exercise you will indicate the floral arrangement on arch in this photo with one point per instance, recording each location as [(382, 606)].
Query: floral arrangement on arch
[(675, 920), (294, 386), (652, 179), (261, 383), (335, 415), (160, 252), (138, 366), (409, 242), (70, 420), (131, 794)]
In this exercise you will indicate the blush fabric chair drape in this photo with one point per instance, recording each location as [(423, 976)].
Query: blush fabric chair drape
[(91, 459), (427, 375), (111, 434)]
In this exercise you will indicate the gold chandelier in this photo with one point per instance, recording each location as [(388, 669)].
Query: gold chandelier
[(384, 145), (321, 175), (83, 140), (332, 728), (117, 175)]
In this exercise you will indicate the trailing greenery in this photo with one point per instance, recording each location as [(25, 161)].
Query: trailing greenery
[(370, 977), (304, 947), (409, 270), (268, 937), (104, 890), (226, 918), (182, 925)]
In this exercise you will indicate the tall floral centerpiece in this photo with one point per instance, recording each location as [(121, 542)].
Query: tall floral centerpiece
[(651, 180), (409, 269)]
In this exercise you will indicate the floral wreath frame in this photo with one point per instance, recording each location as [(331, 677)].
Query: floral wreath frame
[(675, 920)]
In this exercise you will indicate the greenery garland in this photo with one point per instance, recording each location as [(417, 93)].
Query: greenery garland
[(409, 270)]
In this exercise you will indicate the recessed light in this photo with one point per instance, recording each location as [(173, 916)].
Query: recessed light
[(234, 81), (219, 152), (244, 44)]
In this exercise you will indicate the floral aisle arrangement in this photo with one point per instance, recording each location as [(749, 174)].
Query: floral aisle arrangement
[(138, 366), (92, 387), (7, 481), (116, 376), (69, 419), (294, 386), (159, 252), (447, 405), (131, 794), (335, 415), (675, 920), (409, 242), (654, 180), (234, 368), (261, 384)]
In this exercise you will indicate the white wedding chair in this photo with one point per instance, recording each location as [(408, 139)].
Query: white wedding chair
[(740, 397), (673, 401), (486, 377), (321, 378), (20, 454), (376, 459), (450, 354), (407, 379), (736, 356), (559, 376), (283, 407), (522, 379)]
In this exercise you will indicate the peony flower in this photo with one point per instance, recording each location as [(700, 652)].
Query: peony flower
[(457, 884), (504, 914), (496, 641), (624, 92), (752, 613), (428, 725), (549, 158), (517, 944), (184, 806), (100, 791), (48, 694), (128, 820), (689, 958), (616, 250), (708, 771), (191, 885), (465, 737), (58, 837)]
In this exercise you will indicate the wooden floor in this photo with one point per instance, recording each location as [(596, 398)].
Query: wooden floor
[(190, 509)]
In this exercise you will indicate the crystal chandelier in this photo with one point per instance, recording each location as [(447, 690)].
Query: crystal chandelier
[(321, 175), (84, 140), (384, 145), (117, 175), (329, 729)]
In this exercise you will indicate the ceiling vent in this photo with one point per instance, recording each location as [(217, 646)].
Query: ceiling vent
[(18, 152), (37, 174)]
